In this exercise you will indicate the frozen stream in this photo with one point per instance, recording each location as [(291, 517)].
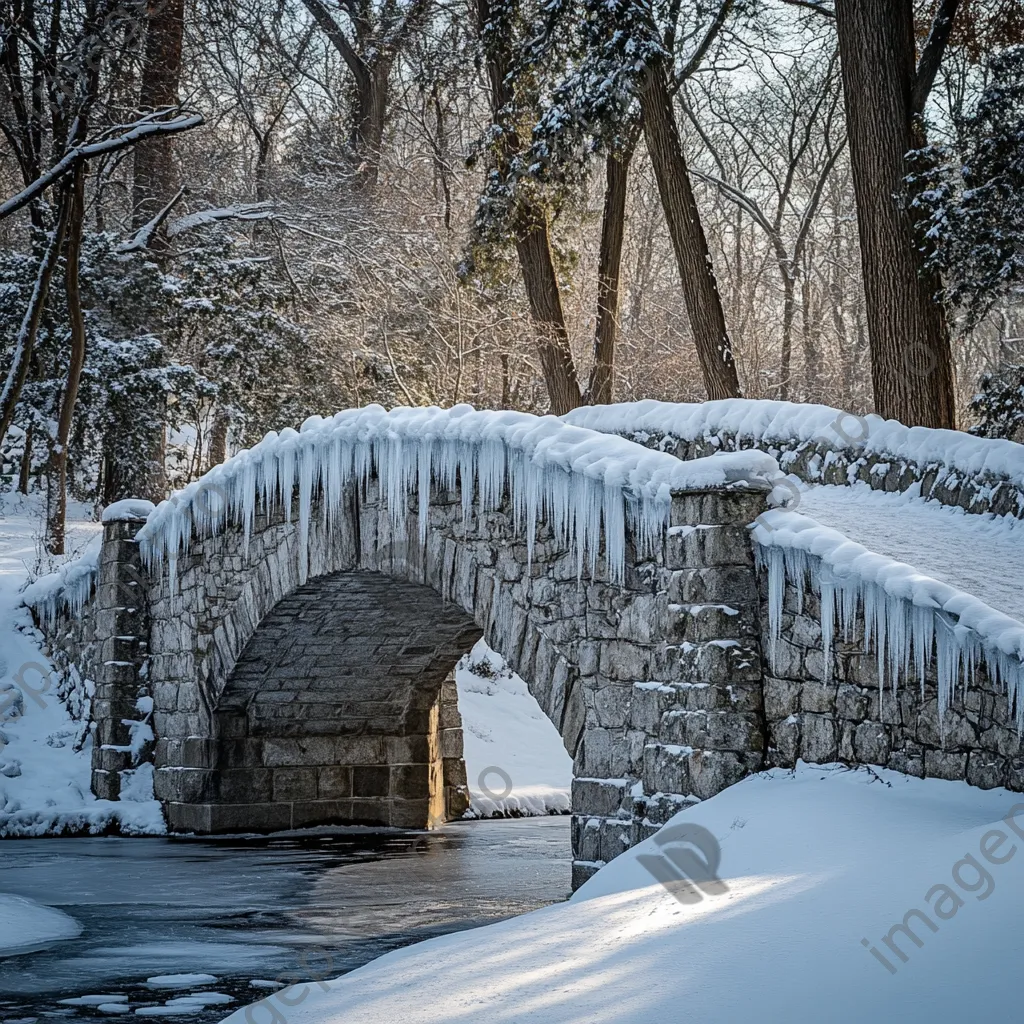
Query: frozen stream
[(260, 908)]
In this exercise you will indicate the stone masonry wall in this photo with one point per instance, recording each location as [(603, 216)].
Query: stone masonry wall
[(101, 655), (654, 684), (849, 717), (829, 461)]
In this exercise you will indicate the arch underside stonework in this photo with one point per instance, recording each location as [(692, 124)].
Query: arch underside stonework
[(338, 710)]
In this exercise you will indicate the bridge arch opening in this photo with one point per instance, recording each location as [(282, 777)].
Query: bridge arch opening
[(341, 709)]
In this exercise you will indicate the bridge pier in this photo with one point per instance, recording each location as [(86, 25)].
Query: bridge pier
[(675, 709), (121, 635)]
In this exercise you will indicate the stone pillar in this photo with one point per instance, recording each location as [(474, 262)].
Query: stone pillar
[(677, 712), (122, 637), (456, 788)]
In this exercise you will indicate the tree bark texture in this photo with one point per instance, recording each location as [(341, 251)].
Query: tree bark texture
[(613, 223), (155, 175), (696, 273), (533, 248), (911, 361), (57, 510)]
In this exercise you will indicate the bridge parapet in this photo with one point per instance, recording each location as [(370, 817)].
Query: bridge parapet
[(822, 445)]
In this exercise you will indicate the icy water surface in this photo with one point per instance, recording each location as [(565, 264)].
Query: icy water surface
[(267, 909)]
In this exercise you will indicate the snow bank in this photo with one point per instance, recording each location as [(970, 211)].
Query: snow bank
[(786, 422), (582, 481), (66, 590), (45, 745), (819, 865), (516, 762), (136, 509), (907, 615), (27, 926)]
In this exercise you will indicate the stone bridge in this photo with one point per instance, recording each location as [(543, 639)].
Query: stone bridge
[(279, 639)]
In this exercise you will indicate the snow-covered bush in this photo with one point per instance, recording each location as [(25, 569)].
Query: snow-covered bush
[(169, 347), (970, 201), (999, 404)]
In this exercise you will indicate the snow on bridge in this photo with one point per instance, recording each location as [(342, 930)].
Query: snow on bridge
[(617, 578)]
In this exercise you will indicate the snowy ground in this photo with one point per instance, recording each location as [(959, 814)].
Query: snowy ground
[(515, 758), (818, 867), (27, 926), (982, 555), (44, 753)]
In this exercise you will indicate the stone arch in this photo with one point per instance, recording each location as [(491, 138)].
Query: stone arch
[(338, 710), (654, 680), (226, 760)]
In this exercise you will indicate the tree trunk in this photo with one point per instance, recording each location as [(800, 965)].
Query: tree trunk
[(57, 509), (533, 243), (156, 177), (911, 361), (534, 250), (609, 269), (788, 312), (371, 121), (25, 472), (219, 439), (697, 276), (26, 339)]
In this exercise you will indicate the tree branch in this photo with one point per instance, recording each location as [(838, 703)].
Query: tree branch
[(340, 42), (931, 54), (813, 5), (141, 130), (700, 53)]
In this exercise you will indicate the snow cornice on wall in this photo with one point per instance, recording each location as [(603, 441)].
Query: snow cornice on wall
[(587, 485), (909, 618), (820, 444)]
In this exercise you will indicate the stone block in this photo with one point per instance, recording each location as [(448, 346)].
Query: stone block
[(582, 871), (785, 741), (294, 784), (410, 781), (907, 763), (371, 781), (818, 697), (628, 662), (601, 798), (616, 836), (819, 741), (939, 764), (333, 782), (666, 769), (307, 813), (986, 771), (872, 743), (851, 703), (781, 698), (409, 813), (711, 771), (612, 704), (243, 785)]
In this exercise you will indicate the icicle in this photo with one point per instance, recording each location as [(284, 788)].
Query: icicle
[(307, 468), (826, 590), (904, 634), (424, 466)]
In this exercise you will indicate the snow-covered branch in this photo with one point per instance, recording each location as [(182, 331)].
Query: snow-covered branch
[(136, 133), (142, 238), (237, 211)]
